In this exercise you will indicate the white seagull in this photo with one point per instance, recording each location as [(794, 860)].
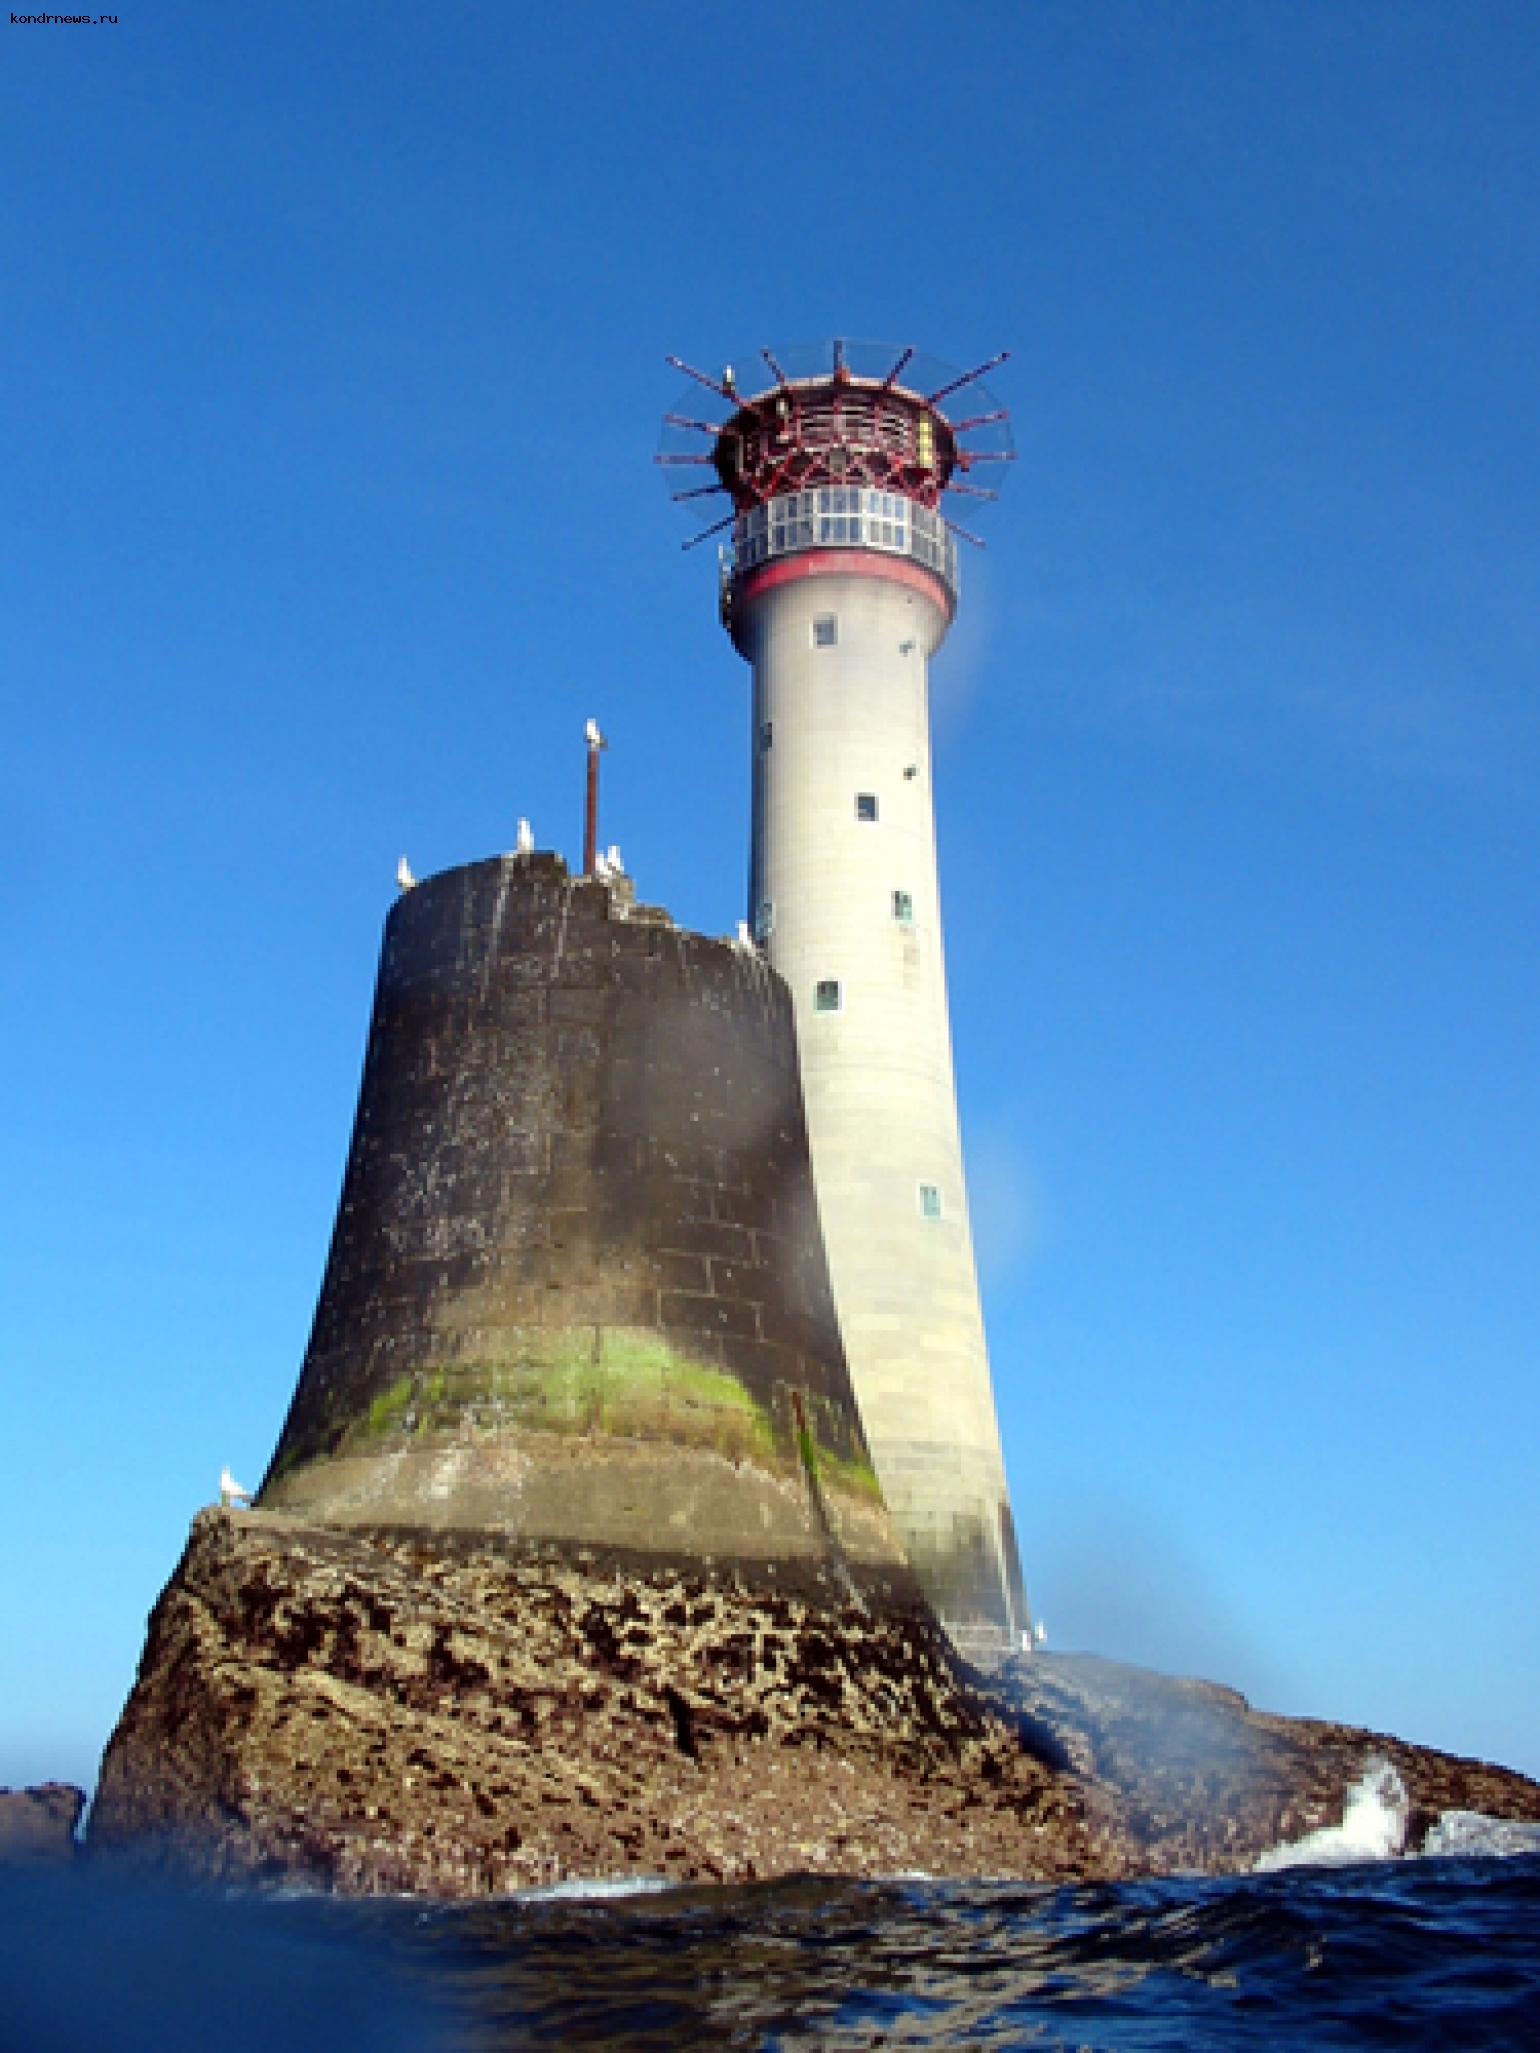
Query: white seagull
[(230, 1491), (404, 878), (617, 867), (593, 737), (524, 840)]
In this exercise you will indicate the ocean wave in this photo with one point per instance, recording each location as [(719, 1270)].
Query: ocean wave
[(1373, 1827), (603, 1889), (1467, 1833), (1427, 1956)]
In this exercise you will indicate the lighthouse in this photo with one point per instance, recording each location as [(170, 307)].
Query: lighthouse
[(837, 583)]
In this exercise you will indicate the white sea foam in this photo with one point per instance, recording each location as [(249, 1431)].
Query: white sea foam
[(1373, 1827), (599, 1889), (1473, 1832)]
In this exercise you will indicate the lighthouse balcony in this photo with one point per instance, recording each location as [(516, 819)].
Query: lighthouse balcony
[(844, 517)]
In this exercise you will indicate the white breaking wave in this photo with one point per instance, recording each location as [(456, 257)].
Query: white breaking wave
[(1473, 1832), (598, 1889), (1373, 1827)]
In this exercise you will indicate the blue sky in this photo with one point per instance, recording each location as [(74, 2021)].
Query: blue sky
[(333, 349)]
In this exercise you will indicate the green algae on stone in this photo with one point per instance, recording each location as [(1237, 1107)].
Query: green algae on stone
[(614, 1380), (624, 1382), (856, 1478)]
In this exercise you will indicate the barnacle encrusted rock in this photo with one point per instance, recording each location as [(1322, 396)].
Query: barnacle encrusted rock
[(367, 1713)]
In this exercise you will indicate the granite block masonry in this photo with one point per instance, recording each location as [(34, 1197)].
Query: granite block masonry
[(577, 1292)]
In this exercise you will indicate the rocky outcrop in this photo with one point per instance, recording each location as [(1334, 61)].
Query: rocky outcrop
[(1196, 1779), (38, 1825), (368, 1712)]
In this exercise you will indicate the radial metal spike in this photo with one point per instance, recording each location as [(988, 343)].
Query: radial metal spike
[(967, 378), (701, 378), (956, 530), (734, 398), (892, 378), (706, 532)]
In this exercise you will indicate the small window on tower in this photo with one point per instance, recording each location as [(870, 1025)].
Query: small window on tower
[(866, 805), (766, 736), (828, 997), (764, 921), (826, 631), (903, 908), (930, 1201)]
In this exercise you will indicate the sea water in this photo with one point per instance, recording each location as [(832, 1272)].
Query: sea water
[(1418, 1953)]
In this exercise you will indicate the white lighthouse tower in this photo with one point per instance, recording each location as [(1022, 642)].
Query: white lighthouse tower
[(840, 584)]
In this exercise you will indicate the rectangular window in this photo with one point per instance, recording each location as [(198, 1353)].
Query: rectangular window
[(866, 805), (766, 736), (930, 1201), (826, 631), (828, 997), (764, 921), (903, 908)]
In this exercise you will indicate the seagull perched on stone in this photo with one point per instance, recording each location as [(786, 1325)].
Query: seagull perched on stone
[(524, 841), (743, 938), (617, 867), (404, 878), (230, 1491)]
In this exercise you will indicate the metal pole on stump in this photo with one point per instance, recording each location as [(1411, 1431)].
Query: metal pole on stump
[(596, 742)]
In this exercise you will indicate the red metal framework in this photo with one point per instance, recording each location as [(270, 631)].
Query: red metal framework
[(837, 425)]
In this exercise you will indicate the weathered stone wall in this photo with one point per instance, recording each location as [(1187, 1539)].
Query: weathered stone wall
[(577, 1287)]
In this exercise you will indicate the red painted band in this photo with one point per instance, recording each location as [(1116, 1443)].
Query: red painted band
[(898, 570)]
